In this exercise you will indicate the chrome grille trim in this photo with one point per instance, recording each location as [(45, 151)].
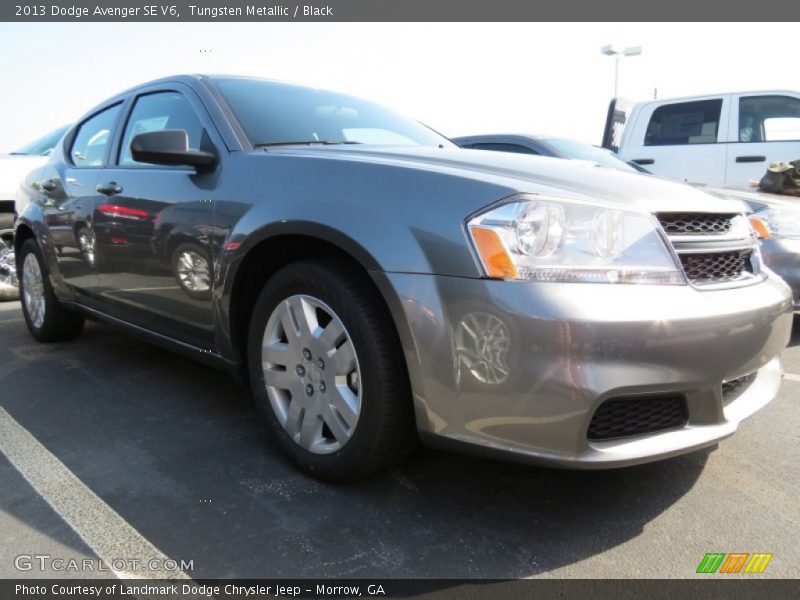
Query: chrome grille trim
[(711, 248), (695, 223)]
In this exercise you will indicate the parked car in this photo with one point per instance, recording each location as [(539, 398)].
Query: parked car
[(14, 167), (544, 145), (716, 139), (374, 283), (777, 223)]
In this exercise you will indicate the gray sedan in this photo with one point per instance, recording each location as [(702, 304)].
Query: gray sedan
[(374, 284)]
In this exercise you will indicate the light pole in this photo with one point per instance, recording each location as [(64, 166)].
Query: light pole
[(617, 54)]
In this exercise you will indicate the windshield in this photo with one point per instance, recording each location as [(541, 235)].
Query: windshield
[(44, 145), (580, 151), (278, 113)]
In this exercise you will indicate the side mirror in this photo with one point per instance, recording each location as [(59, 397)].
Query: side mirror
[(170, 147)]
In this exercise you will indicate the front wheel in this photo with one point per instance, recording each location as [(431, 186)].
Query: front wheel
[(327, 371), (47, 319)]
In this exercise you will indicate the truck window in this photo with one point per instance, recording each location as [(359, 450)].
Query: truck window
[(684, 123), (769, 119)]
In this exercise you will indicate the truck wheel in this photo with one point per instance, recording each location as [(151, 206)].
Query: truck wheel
[(47, 319), (327, 371)]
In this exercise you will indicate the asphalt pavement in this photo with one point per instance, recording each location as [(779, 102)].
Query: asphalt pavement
[(126, 448)]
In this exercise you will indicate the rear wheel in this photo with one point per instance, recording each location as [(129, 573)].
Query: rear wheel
[(47, 319), (327, 372)]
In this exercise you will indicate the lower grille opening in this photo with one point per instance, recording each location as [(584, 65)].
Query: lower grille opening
[(734, 388), (716, 267), (637, 415)]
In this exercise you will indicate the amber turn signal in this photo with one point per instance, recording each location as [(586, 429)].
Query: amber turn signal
[(761, 229), (493, 253)]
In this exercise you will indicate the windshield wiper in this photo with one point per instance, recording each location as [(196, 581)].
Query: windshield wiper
[(304, 143)]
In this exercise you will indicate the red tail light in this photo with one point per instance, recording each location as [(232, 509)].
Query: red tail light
[(115, 210)]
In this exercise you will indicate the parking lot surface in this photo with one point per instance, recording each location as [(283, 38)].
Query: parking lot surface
[(112, 446)]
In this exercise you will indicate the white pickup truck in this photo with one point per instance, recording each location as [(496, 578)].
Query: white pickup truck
[(717, 139)]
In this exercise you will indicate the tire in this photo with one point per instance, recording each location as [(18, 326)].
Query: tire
[(189, 284), (50, 321), (7, 220), (383, 430)]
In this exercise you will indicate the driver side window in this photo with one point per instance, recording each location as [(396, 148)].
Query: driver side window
[(158, 111)]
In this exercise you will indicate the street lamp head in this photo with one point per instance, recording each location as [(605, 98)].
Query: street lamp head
[(632, 51), (609, 50)]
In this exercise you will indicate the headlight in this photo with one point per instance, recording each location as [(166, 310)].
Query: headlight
[(545, 239), (777, 221)]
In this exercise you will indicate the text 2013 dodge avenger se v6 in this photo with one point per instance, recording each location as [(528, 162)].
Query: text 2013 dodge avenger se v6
[(376, 285)]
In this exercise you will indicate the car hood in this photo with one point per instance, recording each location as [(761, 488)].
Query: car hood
[(535, 174)]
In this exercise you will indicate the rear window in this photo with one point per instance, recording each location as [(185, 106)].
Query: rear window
[(684, 123)]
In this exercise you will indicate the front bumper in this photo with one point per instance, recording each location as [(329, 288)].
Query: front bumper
[(783, 257), (520, 368)]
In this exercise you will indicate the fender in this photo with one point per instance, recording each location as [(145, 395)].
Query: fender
[(33, 219), (236, 248)]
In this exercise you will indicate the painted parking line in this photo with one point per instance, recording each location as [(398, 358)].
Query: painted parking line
[(109, 536), (791, 377)]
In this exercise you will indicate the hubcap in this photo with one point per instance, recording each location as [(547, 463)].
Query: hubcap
[(311, 374), (193, 271), (33, 290)]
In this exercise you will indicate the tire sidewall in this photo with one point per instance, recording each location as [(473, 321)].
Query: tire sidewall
[(28, 248), (319, 283)]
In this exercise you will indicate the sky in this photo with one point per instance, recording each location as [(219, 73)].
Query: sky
[(460, 79)]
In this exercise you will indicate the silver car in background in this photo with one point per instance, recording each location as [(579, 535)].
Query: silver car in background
[(776, 219)]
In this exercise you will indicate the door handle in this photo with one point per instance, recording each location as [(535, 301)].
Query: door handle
[(109, 189), (747, 159), (644, 161), (49, 185)]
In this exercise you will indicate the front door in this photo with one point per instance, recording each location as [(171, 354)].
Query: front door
[(764, 129), (153, 226)]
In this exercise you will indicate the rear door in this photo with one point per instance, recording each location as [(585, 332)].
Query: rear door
[(68, 190), (682, 140), (764, 128), (154, 225)]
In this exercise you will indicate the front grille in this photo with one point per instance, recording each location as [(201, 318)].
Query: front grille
[(625, 417), (736, 387), (695, 223), (716, 267)]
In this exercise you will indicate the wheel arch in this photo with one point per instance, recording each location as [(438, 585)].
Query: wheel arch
[(251, 270)]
